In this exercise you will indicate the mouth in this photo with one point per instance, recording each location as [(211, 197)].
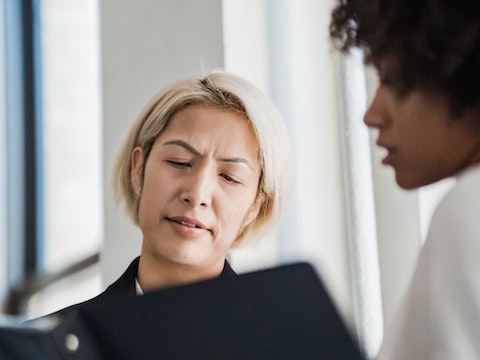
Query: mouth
[(186, 222), (389, 157), (390, 153)]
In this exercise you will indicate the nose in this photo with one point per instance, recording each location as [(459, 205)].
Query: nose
[(376, 115), (198, 188)]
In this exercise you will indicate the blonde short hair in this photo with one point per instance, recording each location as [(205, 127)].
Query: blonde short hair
[(228, 92)]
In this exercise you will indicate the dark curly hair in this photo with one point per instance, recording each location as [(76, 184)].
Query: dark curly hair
[(430, 45)]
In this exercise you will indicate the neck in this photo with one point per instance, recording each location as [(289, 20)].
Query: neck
[(474, 157), (154, 273)]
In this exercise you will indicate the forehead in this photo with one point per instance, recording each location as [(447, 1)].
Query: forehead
[(208, 129), (204, 115)]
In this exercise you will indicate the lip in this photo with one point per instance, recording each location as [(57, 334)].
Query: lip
[(187, 221), (391, 151), (187, 226), (387, 160)]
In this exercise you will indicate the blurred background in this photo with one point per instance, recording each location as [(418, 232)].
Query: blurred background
[(74, 74)]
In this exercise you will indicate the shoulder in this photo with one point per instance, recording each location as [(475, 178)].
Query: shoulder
[(465, 192), (125, 284), (122, 287)]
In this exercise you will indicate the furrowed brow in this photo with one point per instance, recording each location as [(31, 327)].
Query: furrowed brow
[(184, 145), (237, 160), (190, 148)]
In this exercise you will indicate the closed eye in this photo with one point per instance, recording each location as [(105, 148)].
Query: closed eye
[(179, 164), (229, 178)]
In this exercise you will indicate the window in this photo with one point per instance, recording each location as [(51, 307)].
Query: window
[(71, 132), (12, 184), (3, 157), (51, 210)]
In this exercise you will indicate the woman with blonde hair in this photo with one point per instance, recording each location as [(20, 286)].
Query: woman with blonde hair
[(205, 167)]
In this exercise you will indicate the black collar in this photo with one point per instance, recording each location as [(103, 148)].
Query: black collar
[(125, 285)]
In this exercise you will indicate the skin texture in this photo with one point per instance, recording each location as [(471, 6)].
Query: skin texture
[(424, 142), (202, 170)]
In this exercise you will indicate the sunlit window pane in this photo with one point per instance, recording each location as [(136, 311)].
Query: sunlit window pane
[(71, 131), (3, 158)]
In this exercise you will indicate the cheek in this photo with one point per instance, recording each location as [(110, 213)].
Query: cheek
[(153, 193), (239, 213), (144, 207)]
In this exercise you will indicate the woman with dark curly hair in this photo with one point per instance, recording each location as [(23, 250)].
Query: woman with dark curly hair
[(427, 112)]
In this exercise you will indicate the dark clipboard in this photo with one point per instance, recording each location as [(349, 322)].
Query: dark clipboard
[(278, 313)]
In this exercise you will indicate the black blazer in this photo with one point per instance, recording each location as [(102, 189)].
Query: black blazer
[(124, 286)]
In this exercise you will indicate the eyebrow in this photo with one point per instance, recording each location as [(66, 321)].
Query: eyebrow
[(190, 148)]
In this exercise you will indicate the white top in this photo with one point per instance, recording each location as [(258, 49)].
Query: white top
[(138, 288), (440, 316)]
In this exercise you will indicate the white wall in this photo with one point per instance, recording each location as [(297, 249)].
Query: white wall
[(303, 85), (145, 45)]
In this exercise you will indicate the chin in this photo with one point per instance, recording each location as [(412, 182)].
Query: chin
[(407, 183)]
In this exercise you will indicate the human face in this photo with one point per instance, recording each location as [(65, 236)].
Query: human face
[(424, 142), (199, 187)]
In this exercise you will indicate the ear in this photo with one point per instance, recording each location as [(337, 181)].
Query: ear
[(136, 169), (254, 209)]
